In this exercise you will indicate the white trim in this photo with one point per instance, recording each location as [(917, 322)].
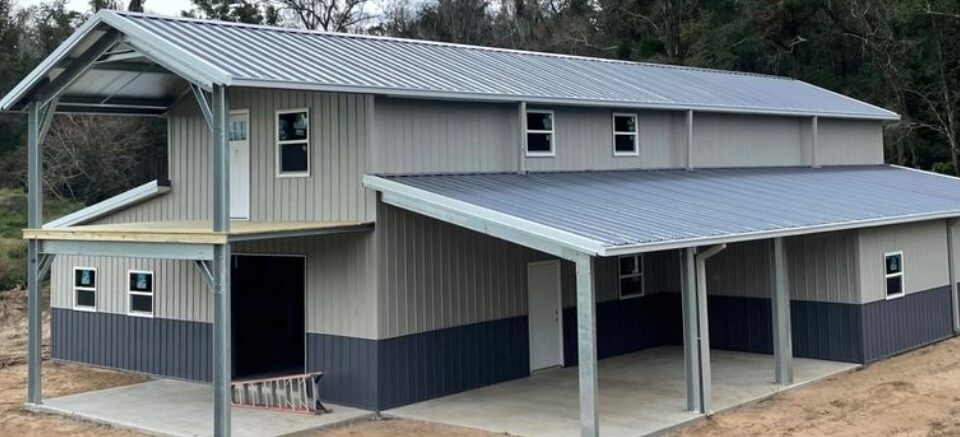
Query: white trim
[(116, 203), (278, 143), (551, 132), (635, 134), (74, 288), (643, 276), (153, 294), (901, 275)]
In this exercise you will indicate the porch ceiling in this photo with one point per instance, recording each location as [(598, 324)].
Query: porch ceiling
[(193, 232)]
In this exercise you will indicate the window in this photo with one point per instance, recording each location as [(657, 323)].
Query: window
[(540, 138), (293, 143), (631, 276), (85, 288), (625, 141), (893, 272), (140, 293)]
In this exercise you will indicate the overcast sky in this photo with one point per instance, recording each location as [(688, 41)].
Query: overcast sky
[(165, 7)]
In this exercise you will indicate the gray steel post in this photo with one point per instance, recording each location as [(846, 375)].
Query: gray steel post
[(221, 264), (522, 156), (691, 351), (34, 221), (814, 141), (690, 140), (952, 274), (703, 327), (587, 347), (780, 303)]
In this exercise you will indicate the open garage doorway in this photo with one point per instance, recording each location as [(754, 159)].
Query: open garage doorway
[(267, 310)]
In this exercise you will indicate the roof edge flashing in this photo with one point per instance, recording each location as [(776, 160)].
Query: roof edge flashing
[(109, 206), (485, 220)]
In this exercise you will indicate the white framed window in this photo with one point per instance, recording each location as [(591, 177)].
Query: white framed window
[(140, 293), (85, 288), (893, 274), (631, 276), (541, 140), (293, 143), (625, 137)]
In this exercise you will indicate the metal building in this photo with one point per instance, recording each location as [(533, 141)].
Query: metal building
[(417, 219)]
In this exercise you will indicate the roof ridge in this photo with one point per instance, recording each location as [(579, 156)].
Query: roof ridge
[(443, 44)]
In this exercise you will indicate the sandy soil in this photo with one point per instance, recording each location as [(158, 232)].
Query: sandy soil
[(916, 394)]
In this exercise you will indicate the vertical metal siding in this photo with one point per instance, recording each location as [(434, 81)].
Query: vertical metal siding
[(850, 142), (924, 247), (824, 267), (179, 290), (747, 141), (897, 325), (741, 270), (420, 136), (338, 154), (434, 275)]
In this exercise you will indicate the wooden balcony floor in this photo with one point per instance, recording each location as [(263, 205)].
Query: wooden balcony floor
[(197, 232)]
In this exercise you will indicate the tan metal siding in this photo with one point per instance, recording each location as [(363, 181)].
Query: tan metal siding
[(179, 291), (340, 295), (742, 140), (820, 267), (434, 275), (420, 136), (850, 142), (924, 247), (334, 190)]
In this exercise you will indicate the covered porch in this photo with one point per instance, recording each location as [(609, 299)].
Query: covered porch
[(589, 217), (638, 394)]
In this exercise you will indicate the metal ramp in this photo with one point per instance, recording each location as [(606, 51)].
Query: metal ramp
[(294, 393)]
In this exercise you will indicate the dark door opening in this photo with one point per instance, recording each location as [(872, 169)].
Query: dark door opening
[(267, 310)]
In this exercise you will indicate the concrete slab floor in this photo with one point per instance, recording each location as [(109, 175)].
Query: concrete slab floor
[(177, 408), (639, 394)]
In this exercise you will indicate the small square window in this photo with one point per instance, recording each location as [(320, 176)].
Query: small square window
[(893, 274), (140, 293), (625, 139), (631, 276), (293, 143), (540, 135), (85, 288)]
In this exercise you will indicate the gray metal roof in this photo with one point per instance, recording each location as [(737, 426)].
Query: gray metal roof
[(245, 55), (625, 211)]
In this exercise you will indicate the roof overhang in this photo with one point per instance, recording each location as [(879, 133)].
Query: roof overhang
[(111, 66), (566, 214)]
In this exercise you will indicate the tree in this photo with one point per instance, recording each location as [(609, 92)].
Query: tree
[(242, 11), (328, 15)]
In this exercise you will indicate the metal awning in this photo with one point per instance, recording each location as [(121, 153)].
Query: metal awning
[(609, 213)]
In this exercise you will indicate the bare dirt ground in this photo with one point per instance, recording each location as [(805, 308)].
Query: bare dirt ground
[(915, 394)]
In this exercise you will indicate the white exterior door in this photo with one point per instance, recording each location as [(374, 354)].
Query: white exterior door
[(544, 314), (239, 134)]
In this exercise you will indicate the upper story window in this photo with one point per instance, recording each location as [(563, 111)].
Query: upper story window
[(85, 288), (631, 276), (293, 143), (893, 273), (140, 293), (540, 136), (625, 141)]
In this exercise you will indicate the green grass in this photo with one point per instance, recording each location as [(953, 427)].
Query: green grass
[(13, 218)]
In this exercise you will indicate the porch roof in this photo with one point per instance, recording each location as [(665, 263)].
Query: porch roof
[(192, 232), (610, 213)]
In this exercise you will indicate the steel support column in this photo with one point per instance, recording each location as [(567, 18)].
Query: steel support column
[(952, 274), (703, 328), (220, 111), (691, 350), (780, 308), (522, 153), (37, 119), (690, 165), (587, 346), (814, 141)]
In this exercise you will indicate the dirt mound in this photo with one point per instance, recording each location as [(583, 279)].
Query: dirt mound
[(13, 328)]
